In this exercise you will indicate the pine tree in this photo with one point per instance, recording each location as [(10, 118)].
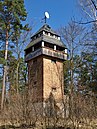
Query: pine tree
[(12, 13)]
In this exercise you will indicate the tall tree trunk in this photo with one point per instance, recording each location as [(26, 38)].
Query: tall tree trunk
[(4, 72), (17, 68), (17, 77), (71, 82)]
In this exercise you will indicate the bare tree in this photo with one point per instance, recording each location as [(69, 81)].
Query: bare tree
[(89, 7), (72, 36)]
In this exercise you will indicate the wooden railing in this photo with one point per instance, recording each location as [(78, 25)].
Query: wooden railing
[(48, 52)]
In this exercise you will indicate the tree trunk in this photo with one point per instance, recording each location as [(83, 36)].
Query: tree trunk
[(5, 72), (17, 77)]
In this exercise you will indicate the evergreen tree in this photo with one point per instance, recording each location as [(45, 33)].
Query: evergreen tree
[(12, 13)]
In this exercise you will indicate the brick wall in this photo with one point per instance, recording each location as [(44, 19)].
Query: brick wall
[(45, 78), (52, 78), (35, 77)]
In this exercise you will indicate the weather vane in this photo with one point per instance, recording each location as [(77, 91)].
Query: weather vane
[(46, 16)]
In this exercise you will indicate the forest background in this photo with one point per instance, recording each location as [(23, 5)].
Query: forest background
[(80, 73)]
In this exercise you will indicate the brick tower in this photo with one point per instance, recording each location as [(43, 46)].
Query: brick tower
[(45, 55)]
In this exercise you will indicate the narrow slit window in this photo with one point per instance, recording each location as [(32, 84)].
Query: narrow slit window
[(54, 89)]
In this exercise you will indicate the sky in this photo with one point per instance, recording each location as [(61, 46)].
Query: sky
[(60, 11)]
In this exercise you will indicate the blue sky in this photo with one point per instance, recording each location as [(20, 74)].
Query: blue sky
[(61, 12)]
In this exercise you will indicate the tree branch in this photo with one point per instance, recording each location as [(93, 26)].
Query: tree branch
[(94, 4), (88, 22)]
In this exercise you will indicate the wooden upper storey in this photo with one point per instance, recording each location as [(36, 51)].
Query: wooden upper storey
[(46, 42)]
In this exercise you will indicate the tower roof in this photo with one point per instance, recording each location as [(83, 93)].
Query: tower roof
[(46, 28), (39, 36)]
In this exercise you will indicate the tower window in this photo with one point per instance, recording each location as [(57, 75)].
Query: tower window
[(49, 45), (46, 33), (32, 48), (35, 61), (54, 89), (35, 82), (54, 47), (53, 61), (56, 37), (51, 35), (34, 37), (37, 46)]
